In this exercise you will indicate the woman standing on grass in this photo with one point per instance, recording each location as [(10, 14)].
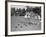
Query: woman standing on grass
[(27, 16)]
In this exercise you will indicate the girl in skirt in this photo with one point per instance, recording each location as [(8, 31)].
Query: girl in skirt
[(27, 17)]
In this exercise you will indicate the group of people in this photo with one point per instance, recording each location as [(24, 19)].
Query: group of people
[(28, 15)]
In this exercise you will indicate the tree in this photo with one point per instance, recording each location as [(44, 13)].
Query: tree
[(37, 10), (12, 11)]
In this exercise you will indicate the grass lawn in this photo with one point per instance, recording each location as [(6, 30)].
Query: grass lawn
[(18, 23)]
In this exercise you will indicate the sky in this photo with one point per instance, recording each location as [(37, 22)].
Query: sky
[(19, 6)]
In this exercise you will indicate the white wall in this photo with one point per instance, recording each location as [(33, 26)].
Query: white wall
[(2, 18)]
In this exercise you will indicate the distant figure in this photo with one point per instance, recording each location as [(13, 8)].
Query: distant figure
[(37, 17), (27, 16), (32, 15)]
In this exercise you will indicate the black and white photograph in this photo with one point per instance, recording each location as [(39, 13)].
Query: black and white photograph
[(25, 18)]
